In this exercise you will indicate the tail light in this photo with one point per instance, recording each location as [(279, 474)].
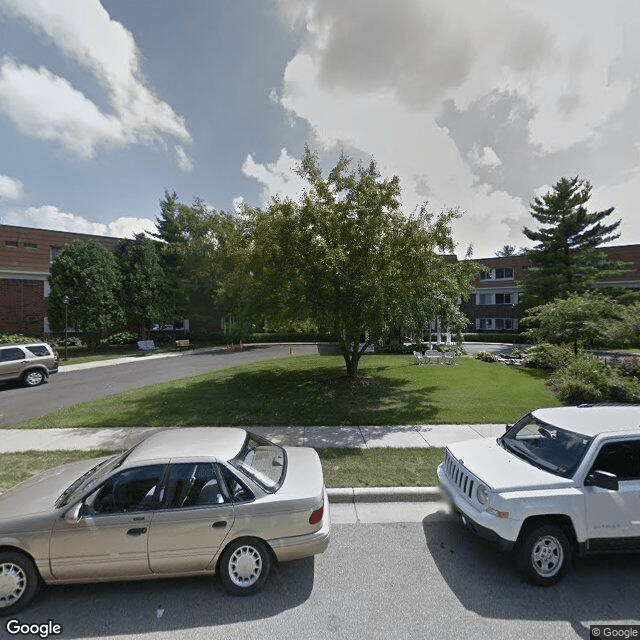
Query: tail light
[(316, 516)]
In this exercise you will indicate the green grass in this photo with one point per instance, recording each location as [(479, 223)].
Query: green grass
[(342, 467), (310, 390)]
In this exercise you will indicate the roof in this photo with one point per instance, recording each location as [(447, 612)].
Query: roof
[(592, 420), (222, 443)]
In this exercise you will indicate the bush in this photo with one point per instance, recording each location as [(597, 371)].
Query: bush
[(122, 338), (485, 356), (588, 380), (16, 338), (548, 356)]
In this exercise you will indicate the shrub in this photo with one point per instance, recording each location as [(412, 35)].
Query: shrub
[(122, 338), (485, 356), (548, 356), (16, 338)]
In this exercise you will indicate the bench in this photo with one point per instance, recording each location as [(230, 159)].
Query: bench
[(147, 345), (183, 344)]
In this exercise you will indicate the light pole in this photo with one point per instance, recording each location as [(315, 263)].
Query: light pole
[(65, 302)]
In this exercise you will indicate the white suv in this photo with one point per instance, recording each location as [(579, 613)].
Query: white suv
[(559, 482)]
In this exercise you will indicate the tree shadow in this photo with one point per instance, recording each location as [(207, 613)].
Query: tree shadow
[(597, 590), (166, 605)]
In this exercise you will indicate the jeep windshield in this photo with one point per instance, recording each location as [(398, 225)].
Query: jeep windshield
[(545, 446)]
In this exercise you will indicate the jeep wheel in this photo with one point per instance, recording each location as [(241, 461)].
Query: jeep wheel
[(34, 377), (19, 581), (544, 554)]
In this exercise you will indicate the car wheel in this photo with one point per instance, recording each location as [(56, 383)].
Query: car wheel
[(34, 378), (19, 581), (544, 554), (244, 566)]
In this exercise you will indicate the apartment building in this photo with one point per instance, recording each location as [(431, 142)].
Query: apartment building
[(26, 255)]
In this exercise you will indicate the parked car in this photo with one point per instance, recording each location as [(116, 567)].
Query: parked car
[(560, 482), (183, 502), (31, 363)]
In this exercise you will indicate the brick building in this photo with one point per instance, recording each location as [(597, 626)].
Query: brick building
[(495, 303), (26, 256)]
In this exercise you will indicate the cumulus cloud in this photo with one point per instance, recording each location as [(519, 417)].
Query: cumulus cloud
[(377, 77), (10, 188), (184, 161), (84, 32), (277, 178), (50, 217)]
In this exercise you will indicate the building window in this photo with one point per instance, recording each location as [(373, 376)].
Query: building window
[(503, 273), (484, 298), (30, 245), (11, 244), (505, 298), (55, 252), (497, 324)]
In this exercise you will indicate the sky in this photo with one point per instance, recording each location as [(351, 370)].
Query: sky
[(476, 105)]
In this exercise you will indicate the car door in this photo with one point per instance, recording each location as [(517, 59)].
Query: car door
[(194, 517), (613, 517), (12, 361), (109, 540)]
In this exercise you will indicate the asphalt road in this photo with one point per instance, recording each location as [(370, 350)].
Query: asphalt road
[(18, 404), (399, 580)]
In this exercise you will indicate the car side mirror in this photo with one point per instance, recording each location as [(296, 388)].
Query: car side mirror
[(73, 515), (603, 479)]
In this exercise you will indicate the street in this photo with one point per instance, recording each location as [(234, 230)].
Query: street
[(428, 578)]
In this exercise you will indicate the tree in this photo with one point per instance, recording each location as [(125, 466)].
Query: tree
[(345, 257), (143, 294), (579, 319), (88, 274), (506, 251), (566, 259)]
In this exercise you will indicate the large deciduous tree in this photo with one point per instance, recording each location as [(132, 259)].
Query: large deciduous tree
[(566, 258), (89, 276), (347, 258)]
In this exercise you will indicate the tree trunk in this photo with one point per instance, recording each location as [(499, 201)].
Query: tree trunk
[(351, 355)]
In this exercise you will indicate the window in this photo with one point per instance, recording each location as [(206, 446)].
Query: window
[(264, 462), (11, 355), (484, 298), (503, 323), (484, 323), (30, 245), (11, 244), (620, 458), (505, 298), (38, 350), (130, 490), (502, 273), (55, 252), (191, 484)]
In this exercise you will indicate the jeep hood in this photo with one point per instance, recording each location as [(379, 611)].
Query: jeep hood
[(501, 470)]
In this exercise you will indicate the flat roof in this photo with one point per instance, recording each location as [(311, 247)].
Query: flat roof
[(592, 420)]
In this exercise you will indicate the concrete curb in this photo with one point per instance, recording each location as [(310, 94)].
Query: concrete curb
[(384, 494)]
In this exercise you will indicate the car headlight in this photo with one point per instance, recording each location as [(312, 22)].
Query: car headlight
[(482, 493)]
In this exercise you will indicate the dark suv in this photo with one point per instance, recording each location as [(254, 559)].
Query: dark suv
[(30, 363)]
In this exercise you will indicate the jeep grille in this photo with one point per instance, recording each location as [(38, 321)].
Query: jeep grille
[(459, 476)]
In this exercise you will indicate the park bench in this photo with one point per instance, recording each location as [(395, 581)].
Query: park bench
[(147, 345), (183, 344)]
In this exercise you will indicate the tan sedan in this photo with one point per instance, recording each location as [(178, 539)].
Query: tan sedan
[(183, 502)]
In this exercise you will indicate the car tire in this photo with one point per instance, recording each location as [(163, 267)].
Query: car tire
[(34, 378), (244, 566), (19, 582), (544, 554)]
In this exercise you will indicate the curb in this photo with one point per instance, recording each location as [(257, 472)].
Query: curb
[(384, 494)]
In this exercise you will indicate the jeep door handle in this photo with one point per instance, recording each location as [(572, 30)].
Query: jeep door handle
[(221, 524), (137, 532)]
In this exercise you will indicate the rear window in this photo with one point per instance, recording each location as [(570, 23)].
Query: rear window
[(264, 462), (38, 350)]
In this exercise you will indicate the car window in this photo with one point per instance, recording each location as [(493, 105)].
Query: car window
[(264, 462), (38, 350), (130, 490), (620, 458), (9, 355), (191, 484), (235, 487)]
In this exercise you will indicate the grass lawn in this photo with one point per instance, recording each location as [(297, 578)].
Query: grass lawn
[(310, 390), (342, 467)]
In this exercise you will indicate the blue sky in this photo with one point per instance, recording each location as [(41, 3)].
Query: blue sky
[(481, 106)]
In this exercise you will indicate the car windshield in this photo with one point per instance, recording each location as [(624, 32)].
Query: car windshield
[(264, 462), (546, 446), (90, 479)]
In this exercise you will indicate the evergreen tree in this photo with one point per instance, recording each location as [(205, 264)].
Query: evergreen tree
[(566, 259)]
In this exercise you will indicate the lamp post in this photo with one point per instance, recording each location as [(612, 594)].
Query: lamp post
[(65, 302)]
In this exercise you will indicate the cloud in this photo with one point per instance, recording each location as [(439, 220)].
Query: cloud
[(50, 217), (377, 77), (10, 188), (84, 32), (184, 161), (278, 178)]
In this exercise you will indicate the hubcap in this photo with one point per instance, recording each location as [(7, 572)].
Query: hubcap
[(34, 378), (547, 556), (13, 583), (245, 566)]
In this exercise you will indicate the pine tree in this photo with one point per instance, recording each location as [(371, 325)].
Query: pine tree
[(566, 259)]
